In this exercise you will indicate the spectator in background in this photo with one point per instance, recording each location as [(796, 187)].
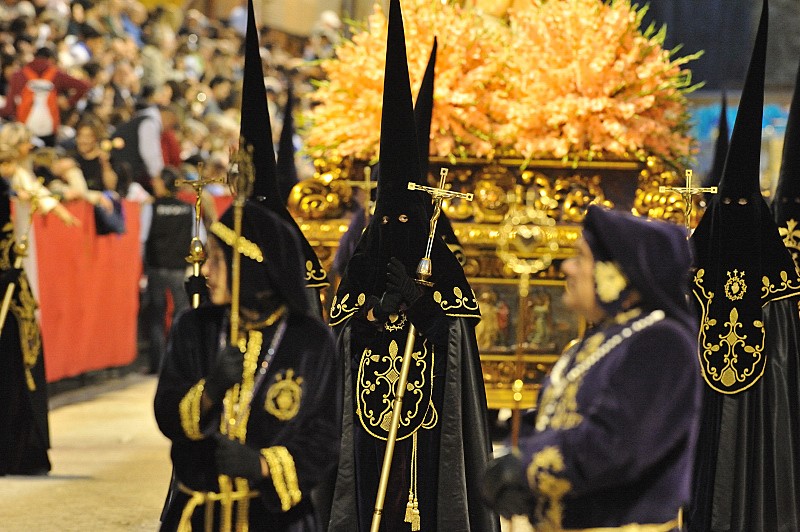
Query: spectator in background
[(32, 95), (140, 159), (167, 237), (91, 155)]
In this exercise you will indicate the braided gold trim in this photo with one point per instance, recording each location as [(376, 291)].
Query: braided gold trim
[(189, 409), (278, 480), (289, 473), (243, 246)]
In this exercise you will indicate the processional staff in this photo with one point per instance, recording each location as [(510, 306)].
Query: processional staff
[(197, 253), (21, 251), (687, 194), (424, 271)]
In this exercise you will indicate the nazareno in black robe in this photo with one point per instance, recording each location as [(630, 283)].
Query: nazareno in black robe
[(24, 429), (451, 456), (305, 356)]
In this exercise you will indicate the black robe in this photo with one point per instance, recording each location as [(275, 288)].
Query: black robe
[(452, 453), (305, 427), (24, 430), (749, 449)]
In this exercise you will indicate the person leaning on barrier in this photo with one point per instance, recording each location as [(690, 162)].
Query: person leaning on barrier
[(614, 436), (267, 453)]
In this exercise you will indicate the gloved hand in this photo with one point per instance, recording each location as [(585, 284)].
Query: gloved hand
[(504, 487), (10, 276), (398, 281), (237, 460), (196, 285), (226, 372), (386, 305)]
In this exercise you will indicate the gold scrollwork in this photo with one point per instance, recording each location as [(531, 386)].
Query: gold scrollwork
[(340, 309), (768, 288), (742, 362), (460, 302), (315, 276), (375, 391)]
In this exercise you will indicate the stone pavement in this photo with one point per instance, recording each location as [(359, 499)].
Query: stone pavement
[(111, 465)]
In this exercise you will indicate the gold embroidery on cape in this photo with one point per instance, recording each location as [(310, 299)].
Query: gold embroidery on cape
[(544, 478), (786, 285), (23, 308), (610, 281), (460, 301), (791, 239), (284, 396), (382, 381), (189, 409), (243, 246), (315, 278), (733, 346), (735, 287), (340, 310)]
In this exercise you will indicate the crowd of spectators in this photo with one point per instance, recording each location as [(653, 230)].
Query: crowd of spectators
[(105, 101), (121, 73)]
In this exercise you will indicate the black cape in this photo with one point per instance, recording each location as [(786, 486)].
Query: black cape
[(24, 430), (307, 428), (453, 452)]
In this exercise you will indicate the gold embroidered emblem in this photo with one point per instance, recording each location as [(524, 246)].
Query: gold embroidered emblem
[(284, 396), (378, 374), (735, 286), (730, 353), (610, 281)]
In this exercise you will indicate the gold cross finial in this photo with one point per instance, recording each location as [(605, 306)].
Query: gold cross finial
[(439, 193), (687, 193)]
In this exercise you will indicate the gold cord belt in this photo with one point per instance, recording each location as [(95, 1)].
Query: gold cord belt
[(226, 497)]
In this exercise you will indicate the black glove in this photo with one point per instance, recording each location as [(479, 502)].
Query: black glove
[(237, 460), (196, 285), (227, 371), (504, 487), (388, 304), (10, 276), (398, 281)]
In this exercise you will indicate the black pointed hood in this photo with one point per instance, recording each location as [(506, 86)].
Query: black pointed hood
[(786, 204), (423, 113), (256, 131), (399, 227), (720, 147), (287, 171), (741, 261)]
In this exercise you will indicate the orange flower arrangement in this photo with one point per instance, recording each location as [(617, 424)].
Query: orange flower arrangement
[(559, 79)]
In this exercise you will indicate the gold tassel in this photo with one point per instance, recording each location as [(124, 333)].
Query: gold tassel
[(412, 506), (409, 508)]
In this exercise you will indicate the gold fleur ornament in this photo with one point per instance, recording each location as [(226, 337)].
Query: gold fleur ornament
[(609, 280)]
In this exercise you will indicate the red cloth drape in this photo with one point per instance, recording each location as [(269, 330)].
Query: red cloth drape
[(88, 291)]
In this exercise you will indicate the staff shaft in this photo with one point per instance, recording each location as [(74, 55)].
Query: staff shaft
[(397, 409)]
